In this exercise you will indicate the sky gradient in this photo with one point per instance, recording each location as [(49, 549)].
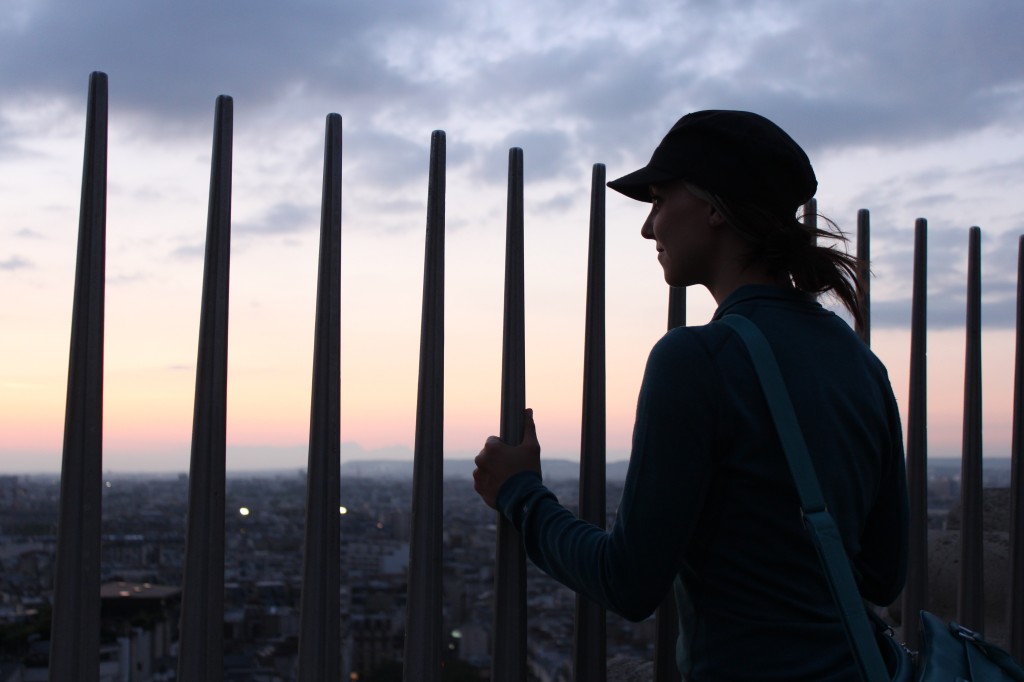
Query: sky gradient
[(910, 109)]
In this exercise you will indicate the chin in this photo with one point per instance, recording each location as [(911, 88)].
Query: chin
[(675, 281)]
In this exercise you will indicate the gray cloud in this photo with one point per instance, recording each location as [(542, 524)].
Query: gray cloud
[(546, 155), (571, 87), (387, 159), (559, 202), (854, 62), (282, 218), (883, 72), (189, 251), (15, 262), (127, 278), (164, 60), (947, 278)]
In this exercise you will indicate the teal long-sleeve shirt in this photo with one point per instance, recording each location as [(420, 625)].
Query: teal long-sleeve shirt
[(709, 498)]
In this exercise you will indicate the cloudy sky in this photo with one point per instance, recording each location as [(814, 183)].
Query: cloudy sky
[(910, 109)]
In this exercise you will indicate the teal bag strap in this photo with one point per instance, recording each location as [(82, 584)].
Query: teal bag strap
[(818, 521)]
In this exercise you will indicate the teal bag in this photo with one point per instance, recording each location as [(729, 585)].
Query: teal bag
[(953, 652)]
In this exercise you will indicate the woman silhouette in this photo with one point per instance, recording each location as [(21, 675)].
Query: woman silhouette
[(709, 508)]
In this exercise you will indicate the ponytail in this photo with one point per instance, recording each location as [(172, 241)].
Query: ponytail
[(789, 246), (818, 269)]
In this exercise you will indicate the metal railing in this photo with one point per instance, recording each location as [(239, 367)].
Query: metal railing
[(202, 634), (75, 629), (970, 605), (75, 633), (424, 635), (320, 627)]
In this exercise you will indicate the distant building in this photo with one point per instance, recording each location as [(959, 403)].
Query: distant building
[(143, 618)]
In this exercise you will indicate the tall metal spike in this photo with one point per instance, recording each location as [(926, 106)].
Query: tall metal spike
[(75, 630), (864, 274), (970, 606), (423, 622), (508, 662), (666, 629), (810, 216), (1016, 600), (320, 627), (676, 307), (201, 652), (916, 590), (589, 642)]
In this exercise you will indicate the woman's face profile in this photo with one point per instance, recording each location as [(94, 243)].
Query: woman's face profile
[(683, 230)]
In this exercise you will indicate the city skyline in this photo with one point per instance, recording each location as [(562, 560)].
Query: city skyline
[(909, 110)]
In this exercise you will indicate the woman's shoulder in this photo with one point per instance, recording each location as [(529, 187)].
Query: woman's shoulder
[(708, 338), (693, 350)]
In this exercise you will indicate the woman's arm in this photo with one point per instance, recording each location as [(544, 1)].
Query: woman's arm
[(630, 568)]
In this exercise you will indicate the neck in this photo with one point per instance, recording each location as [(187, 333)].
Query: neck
[(729, 282)]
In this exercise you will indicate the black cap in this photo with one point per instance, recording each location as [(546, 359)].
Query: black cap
[(734, 154)]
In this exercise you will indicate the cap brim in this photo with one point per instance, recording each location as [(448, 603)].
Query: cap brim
[(636, 185)]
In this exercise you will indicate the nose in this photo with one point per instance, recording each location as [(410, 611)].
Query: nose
[(647, 231)]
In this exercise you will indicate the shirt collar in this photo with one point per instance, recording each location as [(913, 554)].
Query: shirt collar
[(762, 292)]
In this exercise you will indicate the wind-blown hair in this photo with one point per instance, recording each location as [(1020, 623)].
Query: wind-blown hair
[(789, 246)]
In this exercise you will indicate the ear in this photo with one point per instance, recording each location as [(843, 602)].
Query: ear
[(714, 217)]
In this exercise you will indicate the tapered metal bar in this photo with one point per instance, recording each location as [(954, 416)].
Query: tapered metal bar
[(508, 662), (676, 307), (590, 642), (320, 626), (863, 327), (75, 630), (423, 623), (811, 214), (666, 619), (970, 606), (201, 653), (1016, 600), (915, 593)]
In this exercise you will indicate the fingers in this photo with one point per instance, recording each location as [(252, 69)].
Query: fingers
[(481, 475), (529, 429), (483, 487), (498, 461), (494, 443)]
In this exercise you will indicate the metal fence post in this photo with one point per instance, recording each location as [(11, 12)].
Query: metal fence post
[(320, 627), (424, 604), (666, 628), (863, 328), (75, 630), (201, 649), (590, 641), (970, 595), (1016, 600), (508, 662), (916, 590)]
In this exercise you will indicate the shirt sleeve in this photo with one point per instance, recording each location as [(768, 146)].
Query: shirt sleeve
[(630, 568)]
